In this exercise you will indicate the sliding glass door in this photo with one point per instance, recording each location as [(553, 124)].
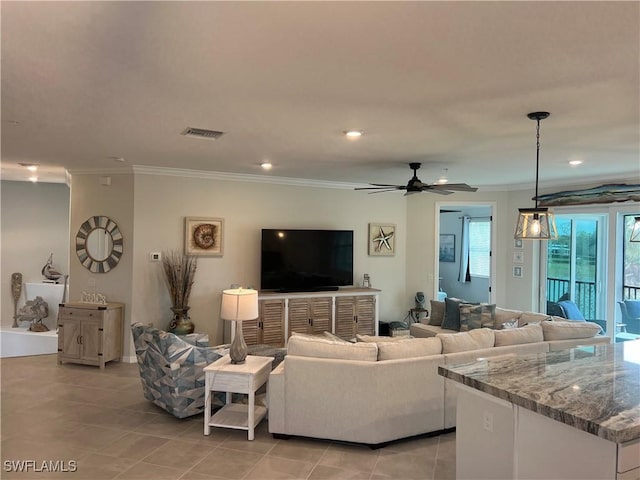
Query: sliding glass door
[(576, 264)]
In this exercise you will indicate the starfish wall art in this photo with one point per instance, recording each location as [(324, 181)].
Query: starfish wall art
[(382, 239)]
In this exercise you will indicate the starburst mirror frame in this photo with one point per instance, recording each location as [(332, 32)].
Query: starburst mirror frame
[(382, 239)]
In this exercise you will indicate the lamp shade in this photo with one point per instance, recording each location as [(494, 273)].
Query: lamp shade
[(239, 304), (535, 224)]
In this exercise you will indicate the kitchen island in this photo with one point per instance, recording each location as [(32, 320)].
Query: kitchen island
[(571, 414)]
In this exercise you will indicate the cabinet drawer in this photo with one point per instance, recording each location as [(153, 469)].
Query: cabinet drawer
[(81, 314)]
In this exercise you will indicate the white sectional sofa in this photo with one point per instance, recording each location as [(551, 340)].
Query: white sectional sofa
[(386, 388)]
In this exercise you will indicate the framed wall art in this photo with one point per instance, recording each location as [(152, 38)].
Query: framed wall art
[(382, 239), (203, 236), (447, 247)]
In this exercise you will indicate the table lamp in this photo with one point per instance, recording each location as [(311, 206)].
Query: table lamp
[(238, 305)]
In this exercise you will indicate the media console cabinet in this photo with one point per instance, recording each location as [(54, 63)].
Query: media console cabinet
[(345, 313)]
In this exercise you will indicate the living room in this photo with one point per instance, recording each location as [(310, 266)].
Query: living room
[(161, 181)]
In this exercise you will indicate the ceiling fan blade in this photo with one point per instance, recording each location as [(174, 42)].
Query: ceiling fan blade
[(439, 191), (388, 190), (383, 185), (393, 187), (459, 187)]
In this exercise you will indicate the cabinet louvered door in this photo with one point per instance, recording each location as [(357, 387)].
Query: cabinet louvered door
[(320, 315), (345, 316), (365, 315), (251, 332), (299, 315), (272, 322)]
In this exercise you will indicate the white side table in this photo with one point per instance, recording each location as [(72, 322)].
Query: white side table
[(223, 376)]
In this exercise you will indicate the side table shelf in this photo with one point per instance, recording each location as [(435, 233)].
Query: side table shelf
[(223, 376)]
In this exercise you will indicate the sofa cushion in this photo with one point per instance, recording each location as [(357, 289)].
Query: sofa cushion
[(476, 316), (503, 315), (421, 330), (528, 318), (452, 314), (437, 313), (379, 338), (565, 330), (321, 347), (463, 341), (409, 348), (515, 336)]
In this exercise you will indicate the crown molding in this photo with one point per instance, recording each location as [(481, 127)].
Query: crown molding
[(242, 177)]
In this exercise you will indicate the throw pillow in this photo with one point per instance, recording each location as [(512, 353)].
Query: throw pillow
[(334, 337), (476, 316), (451, 314), (516, 336), (378, 339), (510, 324), (572, 310), (437, 313), (528, 318)]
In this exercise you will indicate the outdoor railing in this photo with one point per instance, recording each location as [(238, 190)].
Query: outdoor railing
[(585, 294)]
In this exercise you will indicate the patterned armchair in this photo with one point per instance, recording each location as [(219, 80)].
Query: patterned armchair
[(171, 370)]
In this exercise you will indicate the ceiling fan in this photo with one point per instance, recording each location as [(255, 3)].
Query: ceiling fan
[(415, 185)]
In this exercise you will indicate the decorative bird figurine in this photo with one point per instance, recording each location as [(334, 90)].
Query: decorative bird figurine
[(49, 272)]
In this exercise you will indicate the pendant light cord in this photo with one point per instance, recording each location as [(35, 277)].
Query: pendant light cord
[(537, 157)]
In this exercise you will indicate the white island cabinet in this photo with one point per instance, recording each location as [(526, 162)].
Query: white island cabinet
[(572, 414)]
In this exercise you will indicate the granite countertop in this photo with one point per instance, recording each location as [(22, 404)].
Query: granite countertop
[(594, 388)]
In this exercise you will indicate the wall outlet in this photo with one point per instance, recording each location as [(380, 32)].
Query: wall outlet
[(487, 421), (155, 256)]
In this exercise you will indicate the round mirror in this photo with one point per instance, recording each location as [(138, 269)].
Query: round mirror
[(99, 244)]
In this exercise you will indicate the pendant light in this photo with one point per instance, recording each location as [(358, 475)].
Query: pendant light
[(635, 233), (536, 223)]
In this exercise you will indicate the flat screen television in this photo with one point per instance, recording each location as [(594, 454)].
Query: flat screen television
[(306, 260)]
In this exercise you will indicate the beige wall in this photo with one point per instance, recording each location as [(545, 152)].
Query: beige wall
[(35, 223), (89, 198), (162, 202)]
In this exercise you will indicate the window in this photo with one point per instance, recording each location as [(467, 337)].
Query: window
[(479, 248)]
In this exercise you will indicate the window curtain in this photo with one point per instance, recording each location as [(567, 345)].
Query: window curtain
[(464, 275)]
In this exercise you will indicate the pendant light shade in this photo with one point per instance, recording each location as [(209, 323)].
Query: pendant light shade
[(536, 223), (635, 233)]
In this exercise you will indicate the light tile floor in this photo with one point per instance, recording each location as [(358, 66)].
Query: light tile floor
[(101, 421)]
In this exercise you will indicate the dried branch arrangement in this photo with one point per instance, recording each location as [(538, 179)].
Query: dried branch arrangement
[(179, 272)]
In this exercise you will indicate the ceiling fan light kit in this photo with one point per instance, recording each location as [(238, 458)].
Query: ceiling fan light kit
[(536, 223)]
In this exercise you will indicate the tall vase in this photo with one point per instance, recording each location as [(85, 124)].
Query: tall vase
[(181, 324)]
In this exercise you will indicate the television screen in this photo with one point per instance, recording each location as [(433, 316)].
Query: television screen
[(306, 260)]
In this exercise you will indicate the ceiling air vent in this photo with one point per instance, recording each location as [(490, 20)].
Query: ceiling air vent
[(202, 133)]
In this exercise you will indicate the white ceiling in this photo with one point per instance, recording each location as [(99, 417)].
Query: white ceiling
[(447, 84)]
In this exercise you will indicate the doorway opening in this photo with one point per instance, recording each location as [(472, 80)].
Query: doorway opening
[(464, 245)]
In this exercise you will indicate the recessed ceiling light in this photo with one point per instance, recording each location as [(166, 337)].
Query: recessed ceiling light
[(117, 159), (443, 178), (266, 165), (575, 163), (33, 179), (354, 133)]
